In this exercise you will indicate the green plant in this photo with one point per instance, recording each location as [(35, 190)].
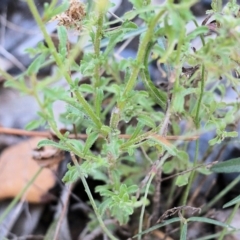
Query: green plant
[(121, 122)]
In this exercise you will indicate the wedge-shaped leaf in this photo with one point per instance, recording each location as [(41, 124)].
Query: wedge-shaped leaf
[(34, 124), (55, 93), (113, 40), (20, 84), (62, 36), (229, 166), (132, 189), (232, 202), (130, 15), (179, 99), (196, 32), (158, 95), (182, 180), (36, 64), (78, 144), (98, 101), (72, 174), (104, 206), (51, 143), (129, 25), (137, 130), (86, 88), (147, 120), (92, 137)]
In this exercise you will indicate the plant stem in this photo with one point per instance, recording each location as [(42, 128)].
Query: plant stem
[(154, 170), (60, 64), (85, 184), (143, 206), (97, 41), (197, 123), (191, 178), (229, 220), (197, 119), (140, 58), (17, 198)]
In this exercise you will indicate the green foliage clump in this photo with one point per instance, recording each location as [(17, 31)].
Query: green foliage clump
[(127, 128)]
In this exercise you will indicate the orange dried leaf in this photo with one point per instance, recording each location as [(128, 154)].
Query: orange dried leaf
[(17, 167)]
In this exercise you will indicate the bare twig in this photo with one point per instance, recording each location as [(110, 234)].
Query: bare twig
[(174, 210), (22, 132), (189, 170)]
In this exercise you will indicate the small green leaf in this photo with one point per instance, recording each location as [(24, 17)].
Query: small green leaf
[(98, 101), (86, 88), (130, 15), (147, 120), (232, 202), (78, 144), (132, 189), (104, 206), (182, 180), (168, 167), (113, 40), (129, 25), (36, 64), (158, 95), (47, 142), (232, 134), (34, 124), (196, 32), (62, 36), (228, 166), (72, 175), (92, 137)]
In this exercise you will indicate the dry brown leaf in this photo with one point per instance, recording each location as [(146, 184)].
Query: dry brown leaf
[(17, 167)]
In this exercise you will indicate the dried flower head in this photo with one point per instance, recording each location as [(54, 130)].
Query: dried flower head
[(73, 16)]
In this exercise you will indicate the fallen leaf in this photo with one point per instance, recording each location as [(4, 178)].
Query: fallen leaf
[(17, 167)]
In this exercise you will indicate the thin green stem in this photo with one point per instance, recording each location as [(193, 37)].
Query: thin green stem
[(197, 119), (140, 58), (229, 220), (60, 64), (17, 198), (144, 205), (201, 35), (197, 122), (154, 170), (88, 191), (97, 42), (191, 178)]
